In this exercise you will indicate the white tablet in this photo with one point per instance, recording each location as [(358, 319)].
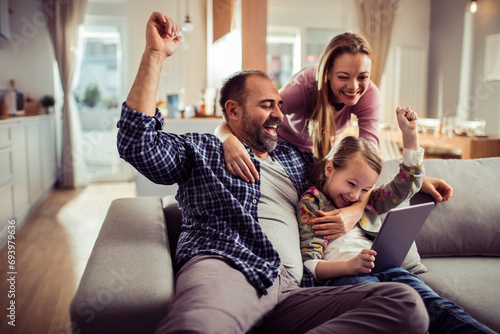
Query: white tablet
[(398, 232)]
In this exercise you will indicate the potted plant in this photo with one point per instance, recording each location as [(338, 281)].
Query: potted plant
[(91, 95), (48, 103)]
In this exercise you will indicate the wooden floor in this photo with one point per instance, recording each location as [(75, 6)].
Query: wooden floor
[(51, 250)]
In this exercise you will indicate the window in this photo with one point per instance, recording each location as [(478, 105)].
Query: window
[(283, 54), (97, 93), (288, 52), (316, 41), (99, 76)]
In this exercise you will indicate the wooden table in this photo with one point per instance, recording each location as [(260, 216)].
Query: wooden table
[(467, 147)]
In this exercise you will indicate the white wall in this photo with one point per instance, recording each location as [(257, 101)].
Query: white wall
[(411, 30), (483, 100), (28, 56), (299, 16), (327, 14), (448, 93), (187, 68)]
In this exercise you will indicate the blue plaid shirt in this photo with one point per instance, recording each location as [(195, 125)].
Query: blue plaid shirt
[(219, 210)]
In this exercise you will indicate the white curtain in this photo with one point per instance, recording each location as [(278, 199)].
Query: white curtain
[(63, 19), (375, 21)]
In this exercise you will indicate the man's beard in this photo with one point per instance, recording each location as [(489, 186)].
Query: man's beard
[(257, 135)]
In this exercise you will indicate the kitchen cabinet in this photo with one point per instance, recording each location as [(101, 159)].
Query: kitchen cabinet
[(21, 199), (27, 167)]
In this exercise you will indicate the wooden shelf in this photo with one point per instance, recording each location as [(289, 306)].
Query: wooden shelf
[(468, 147)]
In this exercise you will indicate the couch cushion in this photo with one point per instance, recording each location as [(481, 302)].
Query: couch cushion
[(412, 261), (469, 223), (471, 282), (128, 282), (173, 221)]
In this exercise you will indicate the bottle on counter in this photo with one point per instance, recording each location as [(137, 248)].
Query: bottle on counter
[(10, 99), (201, 110)]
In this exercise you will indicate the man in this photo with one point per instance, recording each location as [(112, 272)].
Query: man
[(238, 255)]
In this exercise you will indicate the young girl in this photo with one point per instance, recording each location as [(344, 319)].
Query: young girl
[(348, 176)]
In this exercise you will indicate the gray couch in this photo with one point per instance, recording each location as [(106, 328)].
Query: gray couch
[(129, 279)]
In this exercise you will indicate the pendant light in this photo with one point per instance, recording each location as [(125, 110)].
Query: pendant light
[(187, 25), (473, 6)]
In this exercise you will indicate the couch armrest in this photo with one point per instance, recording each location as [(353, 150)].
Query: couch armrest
[(128, 282)]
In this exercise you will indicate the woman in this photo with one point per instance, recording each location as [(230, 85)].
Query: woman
[(317, 105), (319, 100)]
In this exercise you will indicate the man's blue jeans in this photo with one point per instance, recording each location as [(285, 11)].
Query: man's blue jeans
[(445, 316)]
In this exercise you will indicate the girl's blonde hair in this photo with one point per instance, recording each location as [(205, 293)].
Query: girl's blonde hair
[(342, 155), (322, 125)]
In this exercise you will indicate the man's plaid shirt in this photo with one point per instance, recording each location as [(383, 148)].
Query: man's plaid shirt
[(219, 210)]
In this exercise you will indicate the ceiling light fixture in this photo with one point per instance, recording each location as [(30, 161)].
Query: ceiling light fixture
[(187, 26), (473, 6)]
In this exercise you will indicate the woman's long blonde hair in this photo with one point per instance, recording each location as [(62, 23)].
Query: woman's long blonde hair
[(322, 125)]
